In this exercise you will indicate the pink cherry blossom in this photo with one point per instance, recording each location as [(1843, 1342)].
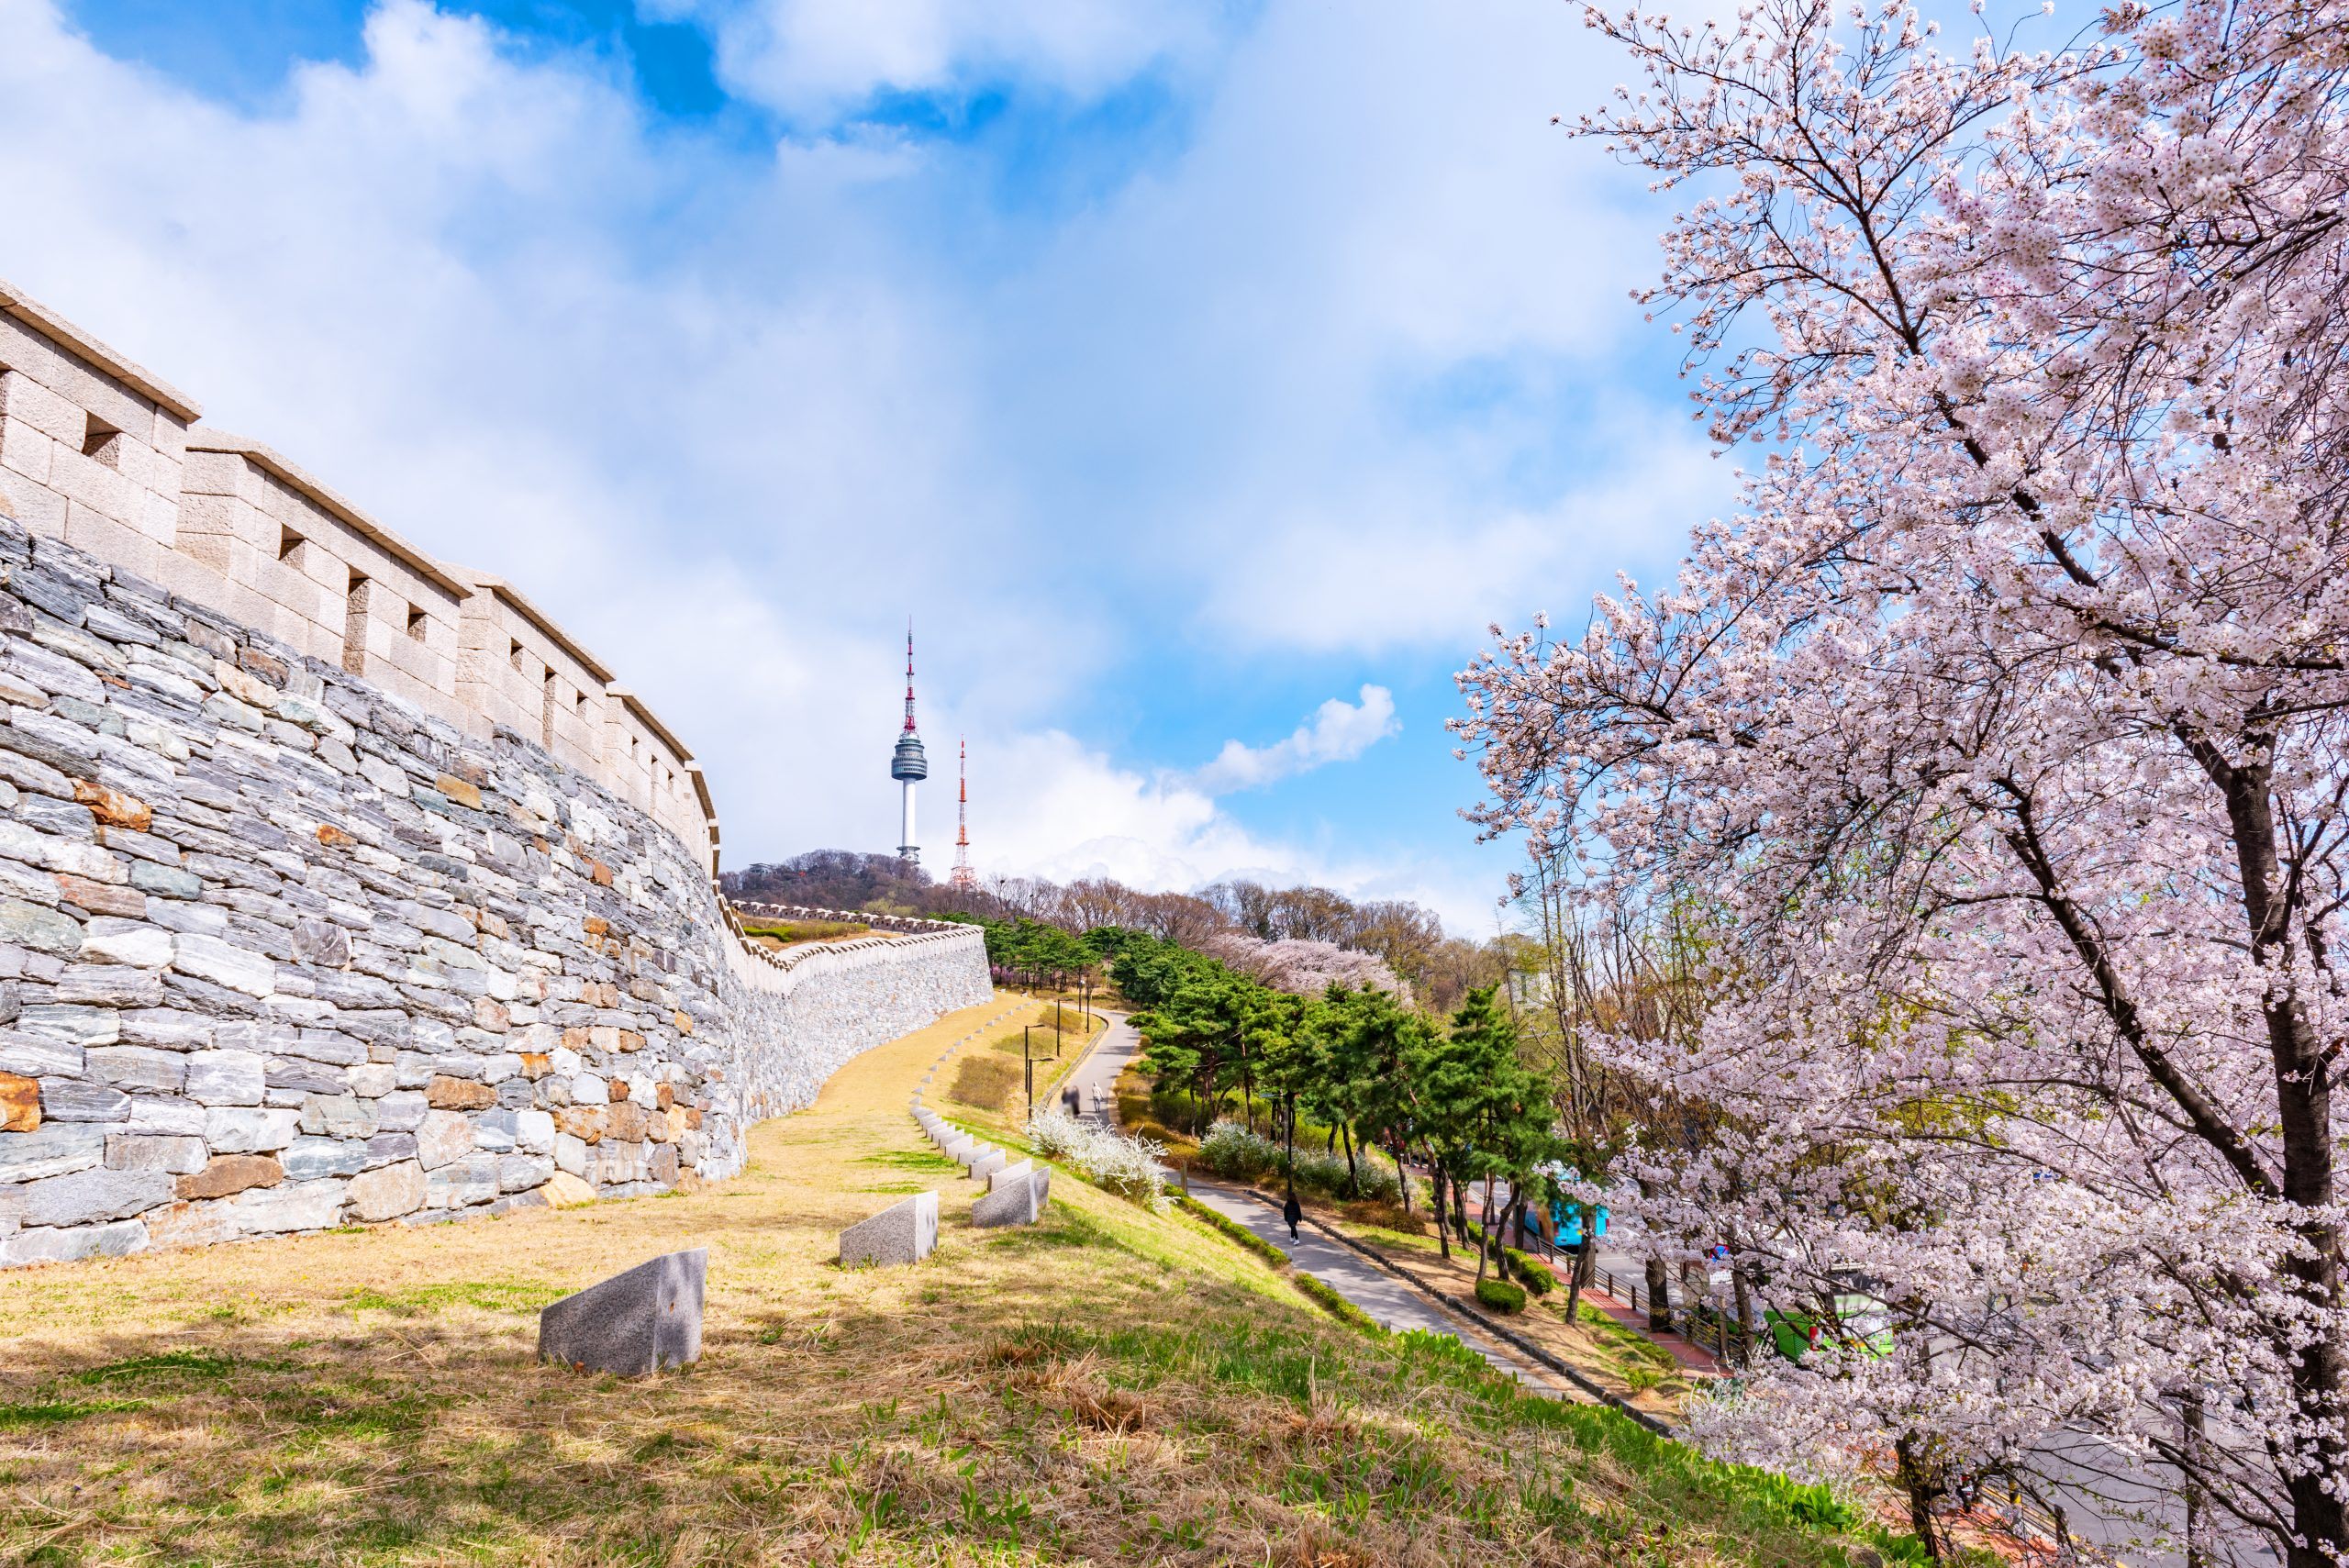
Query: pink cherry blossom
[(1987, 772)]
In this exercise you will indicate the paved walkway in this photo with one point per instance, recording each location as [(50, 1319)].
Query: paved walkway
[(1391, 1302)]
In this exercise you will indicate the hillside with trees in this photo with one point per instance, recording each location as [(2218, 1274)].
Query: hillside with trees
[(1254, 927)]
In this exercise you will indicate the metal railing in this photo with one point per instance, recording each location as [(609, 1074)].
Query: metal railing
[(1707, 1327)]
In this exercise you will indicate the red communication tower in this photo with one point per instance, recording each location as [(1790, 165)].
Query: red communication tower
[(962, 877)]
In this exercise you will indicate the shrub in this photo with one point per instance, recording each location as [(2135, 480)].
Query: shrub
[(1501, 1295), (1532, 1271), (1336, 1305), (1231, 1150), (1126, 1166), (1326, 1174), (984, 1081)]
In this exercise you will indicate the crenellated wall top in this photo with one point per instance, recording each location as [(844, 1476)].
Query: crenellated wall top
[(99, 452)]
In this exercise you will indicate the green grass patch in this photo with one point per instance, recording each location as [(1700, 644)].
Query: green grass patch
[(921, 1159), (518, 1296), (1626, 1343), (54, 1412), (168, 1363)]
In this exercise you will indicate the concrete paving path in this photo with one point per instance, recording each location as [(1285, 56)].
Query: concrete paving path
[(1391, 1302)]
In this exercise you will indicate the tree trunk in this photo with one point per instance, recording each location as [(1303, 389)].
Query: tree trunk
[(1659, 1297), (1741, 1342), (2304, 1106), (1575, 1278), (1921, 1496), (1435, 1189), (1353, 1176), (2198, 1555), (1485, 1236), (1247, 1092)]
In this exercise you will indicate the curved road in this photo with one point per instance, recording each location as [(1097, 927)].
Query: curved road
[(1391, 1302)]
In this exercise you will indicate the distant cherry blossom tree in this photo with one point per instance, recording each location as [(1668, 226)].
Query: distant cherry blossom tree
[(1994, 750), (1304, 968)]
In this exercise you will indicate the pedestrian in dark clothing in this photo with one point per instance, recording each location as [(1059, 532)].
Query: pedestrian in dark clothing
[(1292, 1211)]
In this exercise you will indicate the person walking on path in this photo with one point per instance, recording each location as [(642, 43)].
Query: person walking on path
[(1292, 1211)]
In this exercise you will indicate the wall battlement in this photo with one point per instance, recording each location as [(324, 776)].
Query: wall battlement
[(339, 885), (99, 453)]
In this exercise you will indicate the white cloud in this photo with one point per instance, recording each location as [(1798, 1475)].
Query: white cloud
[(1046, 804), (1377, 575), (1339, 731), (730, 417), (814, 59)]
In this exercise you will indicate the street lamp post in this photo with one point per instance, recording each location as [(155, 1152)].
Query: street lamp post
[(1027, 1064)]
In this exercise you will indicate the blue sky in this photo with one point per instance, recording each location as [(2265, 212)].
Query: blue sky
[(1202, 377)]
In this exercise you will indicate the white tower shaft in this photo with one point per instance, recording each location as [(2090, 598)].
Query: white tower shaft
[(906, 846)]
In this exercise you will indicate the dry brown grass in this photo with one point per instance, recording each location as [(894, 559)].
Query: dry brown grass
[(1109, 1386)]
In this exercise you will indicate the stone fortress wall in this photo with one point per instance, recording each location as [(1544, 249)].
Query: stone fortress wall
[(339, 884)]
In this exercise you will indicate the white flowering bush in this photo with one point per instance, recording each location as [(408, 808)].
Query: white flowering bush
[(1230, 1150), (1126, 1166)]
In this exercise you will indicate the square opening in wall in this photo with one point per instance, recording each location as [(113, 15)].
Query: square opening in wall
[(288, 541), (415, 618)]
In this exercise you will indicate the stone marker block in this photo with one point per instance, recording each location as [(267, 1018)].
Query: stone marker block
[(989, 1163), (634, 1323), (1013, 1204), (901, 1233), (1019, 1170), (961, 1147)]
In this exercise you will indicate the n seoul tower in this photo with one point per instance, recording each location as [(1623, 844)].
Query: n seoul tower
[(908, 765)]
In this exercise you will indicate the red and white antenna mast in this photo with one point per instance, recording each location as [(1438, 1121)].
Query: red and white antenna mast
[(962, 877)]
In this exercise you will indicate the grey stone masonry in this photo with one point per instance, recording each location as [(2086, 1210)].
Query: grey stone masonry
[(281, 952), (902, 1233), (645, 1320)]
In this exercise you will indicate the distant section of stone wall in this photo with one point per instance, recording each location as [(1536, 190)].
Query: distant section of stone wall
[(282, 949)]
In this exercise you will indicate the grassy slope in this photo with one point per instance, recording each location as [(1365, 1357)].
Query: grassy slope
[(1107, 1386)]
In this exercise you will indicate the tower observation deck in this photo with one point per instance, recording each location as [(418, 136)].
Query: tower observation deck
[(908, 764)]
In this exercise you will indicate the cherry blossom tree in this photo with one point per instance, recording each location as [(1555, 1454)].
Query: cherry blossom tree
[(1304, 968), (1998, 738)]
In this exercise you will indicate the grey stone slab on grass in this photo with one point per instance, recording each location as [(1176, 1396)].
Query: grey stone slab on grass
[(902, 1233), (1012, 1204), (957, 1148), (989, 1163), (643, 1321), (1017, 1171)]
